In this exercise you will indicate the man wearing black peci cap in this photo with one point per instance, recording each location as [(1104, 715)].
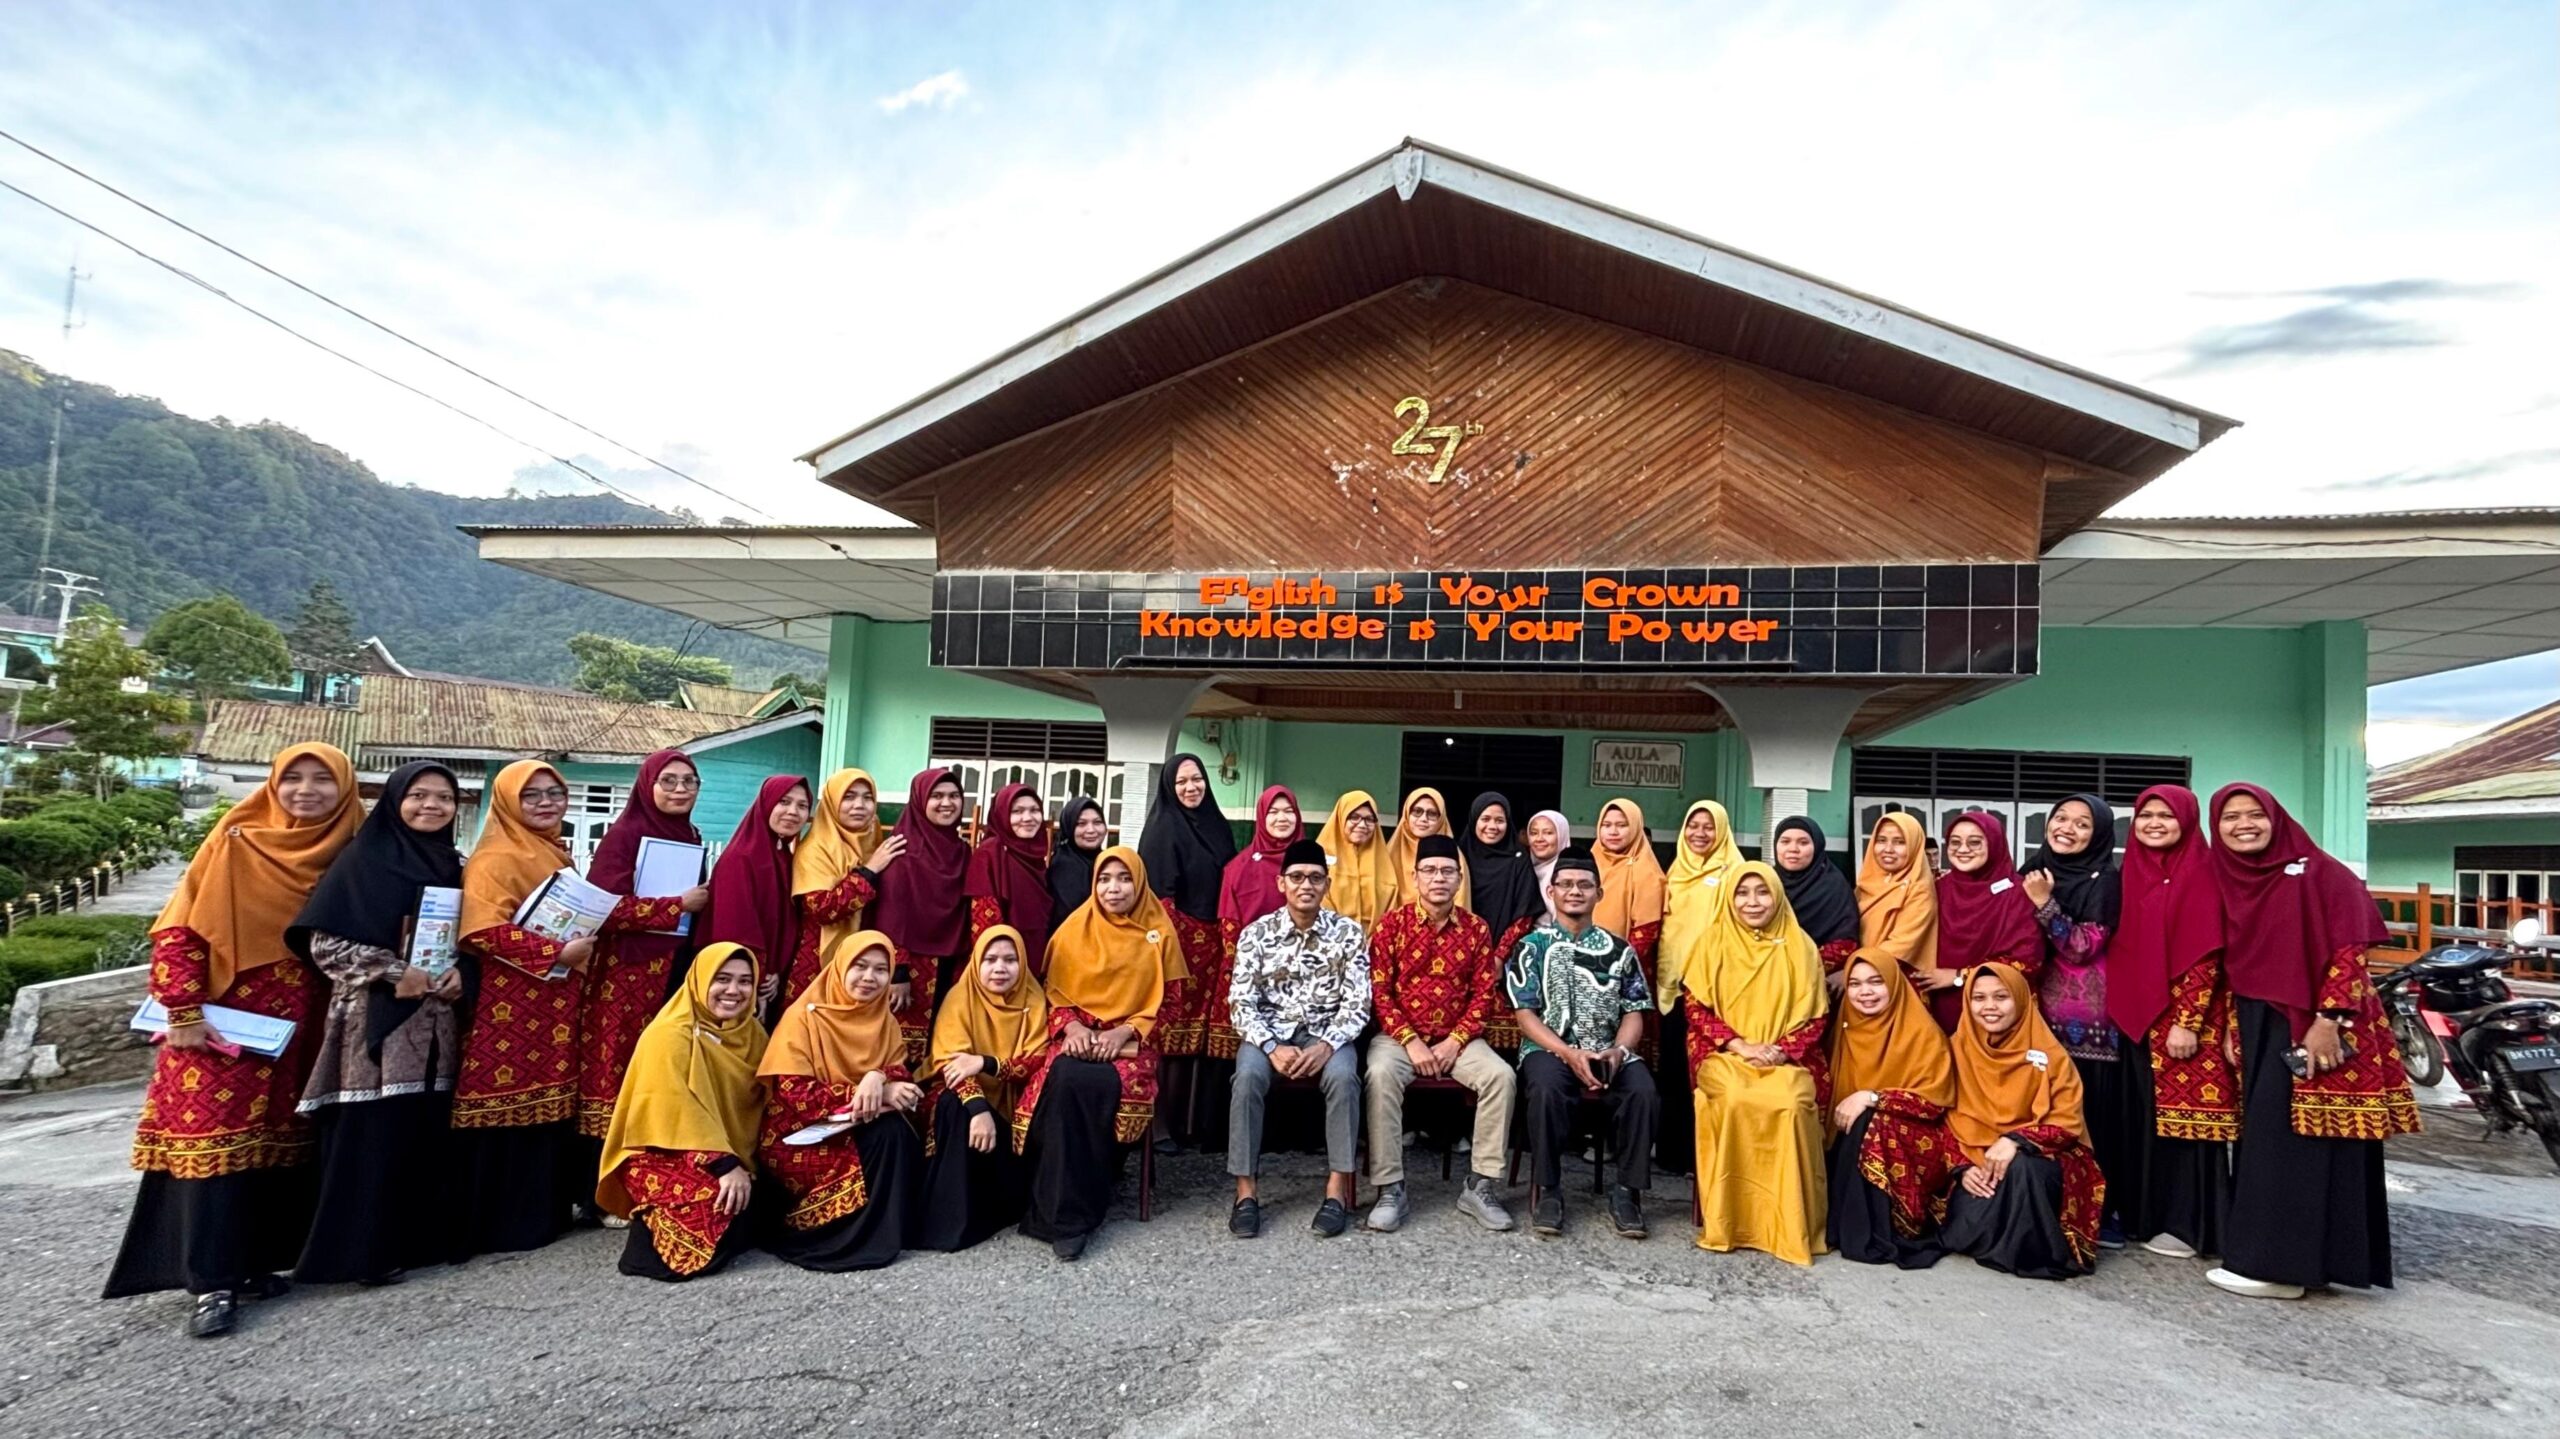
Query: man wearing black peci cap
[(1299, 999), (1581, 997)]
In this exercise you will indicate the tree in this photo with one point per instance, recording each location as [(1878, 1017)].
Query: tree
[(109, 721), (621, 670), (323, 637), (798, 682), (217, 645)]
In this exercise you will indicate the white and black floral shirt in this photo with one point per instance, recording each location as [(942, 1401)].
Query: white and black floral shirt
[(1288, 979)]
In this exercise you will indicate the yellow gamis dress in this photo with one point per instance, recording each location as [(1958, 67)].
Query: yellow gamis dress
[(1693, 895), (1759, 1130)]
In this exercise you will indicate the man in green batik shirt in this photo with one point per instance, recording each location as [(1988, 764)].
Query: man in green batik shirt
[(1581, 997)]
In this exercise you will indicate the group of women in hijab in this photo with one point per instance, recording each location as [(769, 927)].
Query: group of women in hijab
[(855, 1039)]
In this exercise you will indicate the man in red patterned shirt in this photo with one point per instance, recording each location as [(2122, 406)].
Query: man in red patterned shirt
[(1432, 974)]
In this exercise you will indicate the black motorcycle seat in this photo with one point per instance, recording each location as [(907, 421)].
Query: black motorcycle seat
[(2471, 1019), (2455, 959)]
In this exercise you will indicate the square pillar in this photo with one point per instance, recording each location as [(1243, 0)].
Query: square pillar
[(2333, 717), (1142, 722), (848, 652)]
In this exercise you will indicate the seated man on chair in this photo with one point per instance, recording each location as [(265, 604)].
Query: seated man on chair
[(1432, 974), (1299, 997), (1581, 997)]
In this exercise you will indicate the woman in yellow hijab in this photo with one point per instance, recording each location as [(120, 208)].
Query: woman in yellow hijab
[(2028, 1199), (1425, 813), (679, 1157), (1894, 1080), (835, 871), (836, 1134), (1898, 895), (1094, 1092), (1364, 882), (1631, 879), (1755, 1045), (993, 1031), (1702, 864)]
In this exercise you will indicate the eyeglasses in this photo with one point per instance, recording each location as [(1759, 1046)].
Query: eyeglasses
[(1437, 871), (679, 783), (542, 796), (1573, 886), (1305, 877)]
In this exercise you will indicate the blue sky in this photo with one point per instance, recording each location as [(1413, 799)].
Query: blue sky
[(724, 233)]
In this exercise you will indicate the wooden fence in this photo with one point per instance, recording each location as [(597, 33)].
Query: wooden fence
[(67, 895), (2420, 919)]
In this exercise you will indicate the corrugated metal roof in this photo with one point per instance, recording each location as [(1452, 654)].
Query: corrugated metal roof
[(723, 699), (2517, 760), (417, 714)]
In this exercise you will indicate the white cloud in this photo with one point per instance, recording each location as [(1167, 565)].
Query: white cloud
[(934, 92)]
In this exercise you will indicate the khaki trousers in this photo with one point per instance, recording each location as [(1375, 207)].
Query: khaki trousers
[(1478, 1068)]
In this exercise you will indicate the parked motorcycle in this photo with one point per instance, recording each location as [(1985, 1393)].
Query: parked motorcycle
[(2451, 1009)]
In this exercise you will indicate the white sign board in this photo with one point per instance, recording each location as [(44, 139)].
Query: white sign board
[(1638, 764)]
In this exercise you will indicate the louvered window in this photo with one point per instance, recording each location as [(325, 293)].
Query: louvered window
[(1059, 759), (2020, 786)]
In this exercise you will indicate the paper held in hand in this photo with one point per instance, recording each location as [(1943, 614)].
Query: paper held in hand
[(566, 907), (433, 930), (664, 867), (820, 1132), (259, 1034)]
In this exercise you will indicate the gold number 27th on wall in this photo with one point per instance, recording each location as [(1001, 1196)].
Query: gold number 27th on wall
[(1419, 436)]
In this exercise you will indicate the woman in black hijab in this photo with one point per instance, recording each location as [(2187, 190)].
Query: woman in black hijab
[(1820, 894), (1503, 879), (1186, 846), (1082, 831), (2079, 898), (381, 1090)]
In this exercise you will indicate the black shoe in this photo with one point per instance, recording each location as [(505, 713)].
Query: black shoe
[(1332, 1217), (1071, 1248), (385, 1279), (1245, 1221), (214, 1315), (267, 1286), (1546, 1217), (1626, 1212)]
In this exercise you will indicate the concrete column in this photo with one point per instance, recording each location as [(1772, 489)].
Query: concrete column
[(2333, 716), (848, 654), (1794, 734), (1142, 719)]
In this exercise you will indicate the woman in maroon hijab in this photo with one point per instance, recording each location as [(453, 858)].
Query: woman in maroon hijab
[(1008, 879), (2321, 1081), (751, 884), (632, 970), (1248, 889), (1984, 914), (922, 907), (2165, 994)]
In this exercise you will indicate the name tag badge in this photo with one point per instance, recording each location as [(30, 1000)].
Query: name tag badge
[(2298, 866), (1998, 885), (2037, 1058)]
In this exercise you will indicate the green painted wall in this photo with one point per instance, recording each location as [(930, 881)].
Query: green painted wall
[(2404, 855)]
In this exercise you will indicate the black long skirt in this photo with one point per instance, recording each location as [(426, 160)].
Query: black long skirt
[(2116, 1101), (2018, 1230), (968, 1196), (641, 1260), (1073, 1158), (872, 1236), (384, 1167), (511, 1190), (206, 1235), (2303, 1211), (1675, 1137), (2186, 1191), (1860, 1225)]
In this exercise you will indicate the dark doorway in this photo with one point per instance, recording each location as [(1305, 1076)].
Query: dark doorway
[(1461, 764)]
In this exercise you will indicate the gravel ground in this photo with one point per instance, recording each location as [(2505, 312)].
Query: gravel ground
[(1171, 1328)]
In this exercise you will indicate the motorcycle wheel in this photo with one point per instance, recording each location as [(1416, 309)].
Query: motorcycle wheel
[(2419, 1052), (2547, 1124)]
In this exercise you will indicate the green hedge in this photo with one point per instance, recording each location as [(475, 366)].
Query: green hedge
[(44, 849), (58, 946), (13, 883)]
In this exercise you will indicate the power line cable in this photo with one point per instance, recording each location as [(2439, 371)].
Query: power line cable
[(350, 311)]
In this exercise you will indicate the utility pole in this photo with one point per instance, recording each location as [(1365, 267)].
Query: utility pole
[(73, 586), (53, 451)]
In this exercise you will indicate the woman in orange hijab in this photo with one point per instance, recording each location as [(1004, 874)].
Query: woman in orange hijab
[(1095, 1090), (679, 1161), (219, 1211), (1897, 895), (1425, 814), (520, 1167), (1364, 881), (1632, 885), (1891, 1153), (2028, 1198), (836, 1135), (992, 1033), (835, 872)]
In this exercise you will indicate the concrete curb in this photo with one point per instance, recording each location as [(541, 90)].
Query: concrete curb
[(74, 1031)]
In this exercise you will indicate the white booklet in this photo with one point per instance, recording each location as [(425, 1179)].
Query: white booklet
[(566, 907), (259, 1034), (433, 930), (820, 1132), (665, 867)]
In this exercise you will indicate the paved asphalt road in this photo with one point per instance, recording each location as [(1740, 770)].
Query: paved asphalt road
[(1171, 1328)]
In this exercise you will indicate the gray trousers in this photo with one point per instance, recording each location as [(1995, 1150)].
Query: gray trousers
[(1340, 1081)]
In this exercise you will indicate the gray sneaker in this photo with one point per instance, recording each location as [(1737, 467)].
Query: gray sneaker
[(1478, 1201), (1388, 1215)]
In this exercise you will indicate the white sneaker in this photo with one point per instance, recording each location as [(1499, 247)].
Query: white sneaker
[(2169, 1246), (614, 1221), (2248, 1288), (1389, 1214)]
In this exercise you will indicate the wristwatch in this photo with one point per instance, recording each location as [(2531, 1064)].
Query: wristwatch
[(1270, 1047)]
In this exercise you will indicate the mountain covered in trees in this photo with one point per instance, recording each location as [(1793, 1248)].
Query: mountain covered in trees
[(165, 508)]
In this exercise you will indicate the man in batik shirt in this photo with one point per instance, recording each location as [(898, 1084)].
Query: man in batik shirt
[(1581, 997), (1432, 976), (1298, 999)]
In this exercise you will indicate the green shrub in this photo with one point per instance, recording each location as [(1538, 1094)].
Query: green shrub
[(86, 928), (149, 808), (12, 883), (33, 961), (58, 946), (45, 849), (105, 828)]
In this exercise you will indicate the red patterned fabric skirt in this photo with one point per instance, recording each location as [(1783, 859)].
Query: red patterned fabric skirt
[(675, 1195), (1182, 1023), (825, 1179), (2197, 1097), (1907, 1155), (206, 1114), (1137, 1083), (916, 1020), (625, 987), (2367, 1097), (520, 1055)]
